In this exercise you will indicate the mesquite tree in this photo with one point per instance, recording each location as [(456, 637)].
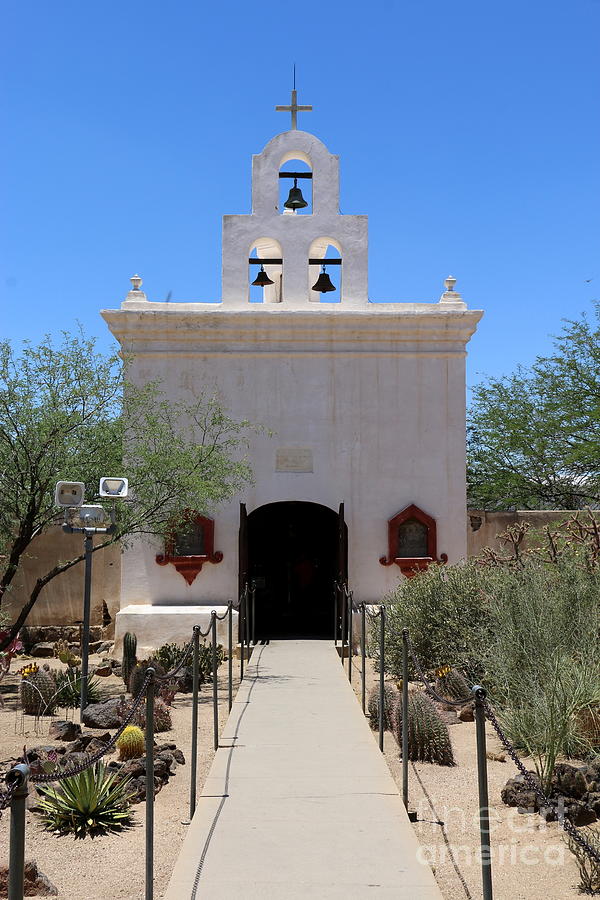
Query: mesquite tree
[(66, 413), (534, 436)]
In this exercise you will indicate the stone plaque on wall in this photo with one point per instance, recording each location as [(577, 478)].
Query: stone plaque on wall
[(293, 459)]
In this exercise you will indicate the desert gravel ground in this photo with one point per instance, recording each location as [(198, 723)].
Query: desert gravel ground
[(531, 860), (112, 866)]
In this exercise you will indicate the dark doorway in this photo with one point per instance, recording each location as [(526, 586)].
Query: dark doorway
[(293, 551)]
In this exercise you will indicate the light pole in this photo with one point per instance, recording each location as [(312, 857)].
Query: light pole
[(88, 520)]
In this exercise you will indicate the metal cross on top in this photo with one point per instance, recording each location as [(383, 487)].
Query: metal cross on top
[(294, 109)]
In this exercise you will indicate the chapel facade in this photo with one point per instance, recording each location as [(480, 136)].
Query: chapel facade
[(360, 469)]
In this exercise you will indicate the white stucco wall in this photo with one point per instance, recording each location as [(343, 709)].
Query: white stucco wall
[(377, 395)]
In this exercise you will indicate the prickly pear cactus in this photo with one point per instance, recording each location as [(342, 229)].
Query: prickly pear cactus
[(450, 683), (390, 697), (131, 743), (129, 658), (37, 691), (428, 735)]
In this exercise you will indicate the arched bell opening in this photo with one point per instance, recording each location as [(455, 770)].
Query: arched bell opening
[(265, 271), (325, 267), (295, 187), (293, 549)]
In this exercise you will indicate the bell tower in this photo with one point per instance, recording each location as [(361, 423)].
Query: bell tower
[(290, 243)]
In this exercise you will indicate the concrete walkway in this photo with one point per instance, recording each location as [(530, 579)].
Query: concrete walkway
[(299, 802)]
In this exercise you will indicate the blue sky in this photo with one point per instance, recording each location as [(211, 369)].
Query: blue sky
[(468, 132)]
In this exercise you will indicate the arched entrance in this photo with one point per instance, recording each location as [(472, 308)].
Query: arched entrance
[(293, 558)]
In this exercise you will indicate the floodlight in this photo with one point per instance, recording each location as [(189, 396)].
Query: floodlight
[(117, 488), (87, 516), (69, 493)]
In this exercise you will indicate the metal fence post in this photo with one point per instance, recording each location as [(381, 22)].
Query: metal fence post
[(213, 623), (85, 641), (194, 759), (253, 591), (405, 717), (363, 654), (230, 655), (16, 862), (484, 809), (150, 785), (381, 684), (350, 635), (241, 629)]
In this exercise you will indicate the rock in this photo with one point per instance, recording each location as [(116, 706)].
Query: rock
[(138, 785), (95, 745), (103, 715), (179, 757), (591, 775), (103, 671), (44, 649), (569, 781), (162, 747), (63, 730), (70, 760), (592, 800), (83, 741), (100, 646), (467, 712), (516, 792), (36, 883)]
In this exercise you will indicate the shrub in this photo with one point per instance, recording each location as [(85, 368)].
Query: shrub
[(91, 803), (445, 609), (62, 652), (428, 735), (131, 743), (589, 869), (170, 655)]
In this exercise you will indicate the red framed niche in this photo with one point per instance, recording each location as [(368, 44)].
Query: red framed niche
[(412, 541), (190, 545)]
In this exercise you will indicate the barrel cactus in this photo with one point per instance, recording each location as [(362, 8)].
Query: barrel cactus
[(37, 691), (131, 743), (129, 658), (428, 735), (390, 697), (450, 683), (138, 674)]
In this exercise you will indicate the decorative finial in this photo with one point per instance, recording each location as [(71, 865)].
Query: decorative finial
[(136, 293), (450, 295), (449, 283)]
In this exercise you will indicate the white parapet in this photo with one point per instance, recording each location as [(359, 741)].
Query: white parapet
[(156, 625)]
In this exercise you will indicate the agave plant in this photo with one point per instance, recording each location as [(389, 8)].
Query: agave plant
[(91, 803), (68, 689)]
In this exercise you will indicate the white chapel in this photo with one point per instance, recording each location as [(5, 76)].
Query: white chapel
[(360, 471)]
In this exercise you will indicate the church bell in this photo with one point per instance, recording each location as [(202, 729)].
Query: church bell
[(295, 199), (262, 279), (323, 283)]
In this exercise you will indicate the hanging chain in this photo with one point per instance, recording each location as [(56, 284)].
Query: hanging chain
[(545, 801)]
